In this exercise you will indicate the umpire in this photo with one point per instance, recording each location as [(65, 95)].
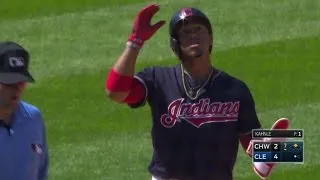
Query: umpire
[(23, 146)]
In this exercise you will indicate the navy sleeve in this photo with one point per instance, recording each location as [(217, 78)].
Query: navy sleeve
[(248, 118), (147, 78)]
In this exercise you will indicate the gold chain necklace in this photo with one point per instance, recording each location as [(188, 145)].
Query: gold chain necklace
[(188, 85), (189, 92)]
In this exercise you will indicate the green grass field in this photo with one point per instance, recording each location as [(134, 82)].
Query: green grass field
[(272, 45)]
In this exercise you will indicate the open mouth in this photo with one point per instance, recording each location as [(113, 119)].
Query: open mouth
[(195, 45)]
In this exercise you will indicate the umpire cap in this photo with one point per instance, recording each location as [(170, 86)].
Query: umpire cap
[(14, 63)]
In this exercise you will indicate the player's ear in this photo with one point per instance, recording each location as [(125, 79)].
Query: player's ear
[(211, 40), (211, 43)]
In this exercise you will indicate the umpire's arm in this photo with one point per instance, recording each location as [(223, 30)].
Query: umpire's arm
[(44, 164)]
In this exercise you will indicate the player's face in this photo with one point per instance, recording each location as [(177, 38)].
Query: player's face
[(194, 39), (10, 95)]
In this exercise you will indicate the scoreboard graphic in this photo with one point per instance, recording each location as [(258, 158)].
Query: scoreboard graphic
[(278, 146)]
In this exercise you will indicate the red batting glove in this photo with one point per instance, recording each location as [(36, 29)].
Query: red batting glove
[(142, 29), (263, 170)]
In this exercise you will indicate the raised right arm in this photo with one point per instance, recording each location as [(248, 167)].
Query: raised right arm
[(120, 78), (120, 85)]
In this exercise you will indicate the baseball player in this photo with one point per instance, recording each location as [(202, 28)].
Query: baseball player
[(199, 112), (23, 144)]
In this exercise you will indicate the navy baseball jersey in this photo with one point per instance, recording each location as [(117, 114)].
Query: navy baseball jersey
[(196, 139)]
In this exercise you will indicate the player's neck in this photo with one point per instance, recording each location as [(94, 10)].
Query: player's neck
[(199, 69)]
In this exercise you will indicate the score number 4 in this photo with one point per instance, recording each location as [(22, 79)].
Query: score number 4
[(276, 156)]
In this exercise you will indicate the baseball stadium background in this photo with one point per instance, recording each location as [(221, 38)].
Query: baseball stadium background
[(273, 45)]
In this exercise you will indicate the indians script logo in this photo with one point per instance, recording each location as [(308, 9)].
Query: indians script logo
[(200, 113)]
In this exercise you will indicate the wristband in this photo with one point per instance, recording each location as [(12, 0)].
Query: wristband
[(117, 82), (133, 45), (136, 40)]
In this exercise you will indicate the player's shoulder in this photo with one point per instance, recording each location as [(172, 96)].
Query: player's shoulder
[(30, 110), (161, 72), (230, 80), (161, 68)]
